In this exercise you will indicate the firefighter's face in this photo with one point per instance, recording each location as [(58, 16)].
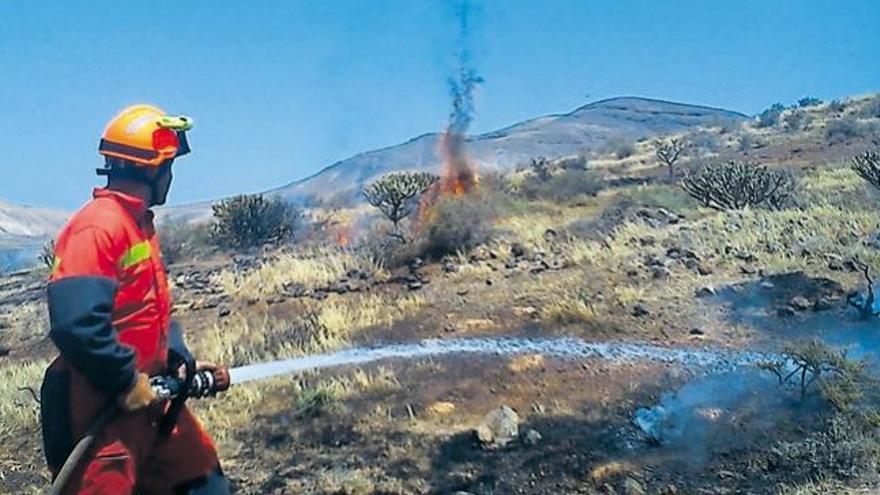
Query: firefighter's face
[(163, 184)]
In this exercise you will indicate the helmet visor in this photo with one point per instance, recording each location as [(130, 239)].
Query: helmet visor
[(165, 141)]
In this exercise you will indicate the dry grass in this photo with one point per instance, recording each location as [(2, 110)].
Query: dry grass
[(572, 307), (318, 267), (19, 412), (238, 407), (324, 326)]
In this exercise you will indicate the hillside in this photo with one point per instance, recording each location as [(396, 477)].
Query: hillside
[(592, 127)]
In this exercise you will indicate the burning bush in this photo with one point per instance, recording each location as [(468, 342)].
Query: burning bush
[(252, 220), (457, 223), (737, 184), (394, 195)]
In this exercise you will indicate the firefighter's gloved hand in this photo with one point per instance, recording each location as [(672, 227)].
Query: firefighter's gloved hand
[(139, 396), (221, 374)]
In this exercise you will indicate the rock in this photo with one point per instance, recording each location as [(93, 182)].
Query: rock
[(4, 351), (632, 487), (640, 310), (517, 250), (498, 428), (416, 263), (319, 295), (449, 267), (532, 438), (489, 281), (823, 304), (704, 269), (835, 265), (462, 292), (706, 291), (800, 303), (550, 235), (660, 272), (766, 284), (785, 311), (647, 240), (748, 270), (691, 263), (414, 285), (224, 312), (697, 331), (511, 264)]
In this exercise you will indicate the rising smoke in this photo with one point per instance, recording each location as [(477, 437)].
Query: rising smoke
[(459, 175)]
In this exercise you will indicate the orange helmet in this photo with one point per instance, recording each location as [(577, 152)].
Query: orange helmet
[(145, 136)]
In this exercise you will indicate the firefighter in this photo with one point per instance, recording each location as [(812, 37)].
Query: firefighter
[(109, 309)]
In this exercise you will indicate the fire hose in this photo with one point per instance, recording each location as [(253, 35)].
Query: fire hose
[(204, 383)]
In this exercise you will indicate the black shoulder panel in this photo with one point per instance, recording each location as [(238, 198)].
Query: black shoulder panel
[(80, 310)]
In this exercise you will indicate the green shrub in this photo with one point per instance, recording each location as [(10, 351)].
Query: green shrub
[(563, 186), (846, 129), (870, 109), (809, 101), (252, 220)]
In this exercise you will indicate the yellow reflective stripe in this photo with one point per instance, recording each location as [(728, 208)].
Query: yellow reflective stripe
[(137, 253), (56, 264)]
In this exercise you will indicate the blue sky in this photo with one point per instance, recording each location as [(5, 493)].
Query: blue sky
[(281, 89)]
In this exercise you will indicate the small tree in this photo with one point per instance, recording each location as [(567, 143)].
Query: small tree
[(47, 254), (770, 116), (669, 151), (393, 195), (867, 165), (541, 168), (735, 185), (807, 363), (252, 220)]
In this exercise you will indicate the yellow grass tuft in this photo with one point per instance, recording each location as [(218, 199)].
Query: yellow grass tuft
[(317, 267)]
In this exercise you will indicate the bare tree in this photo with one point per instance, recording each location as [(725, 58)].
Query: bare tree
[(867, 165), (541, 168), (864, 303), (669, 151), (393, 195), (735, 185)]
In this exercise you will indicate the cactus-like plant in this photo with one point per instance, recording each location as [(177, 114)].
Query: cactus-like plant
[(393, 195), (867, 165), (252, 220), (737, 184)]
